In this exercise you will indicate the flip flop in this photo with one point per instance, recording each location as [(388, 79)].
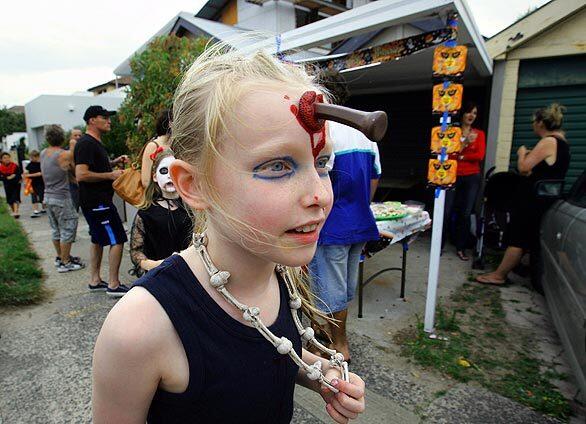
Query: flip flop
[(493, 282)]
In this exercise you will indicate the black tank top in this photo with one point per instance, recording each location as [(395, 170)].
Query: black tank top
[(235, 374), (557, 171)]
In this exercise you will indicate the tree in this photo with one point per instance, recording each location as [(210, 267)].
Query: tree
[(156, 72), (11, 122)]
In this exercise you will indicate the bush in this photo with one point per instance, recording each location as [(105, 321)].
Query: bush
[(157, 72)]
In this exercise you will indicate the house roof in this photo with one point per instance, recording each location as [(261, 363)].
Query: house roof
[(384, 14), (211, 9), (195, 25), (532, 25)]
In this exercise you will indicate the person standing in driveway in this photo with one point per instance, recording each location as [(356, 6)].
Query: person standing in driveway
[(94, 174), (54, 166)]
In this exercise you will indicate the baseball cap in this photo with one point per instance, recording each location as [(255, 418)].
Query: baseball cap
[(96, 110)]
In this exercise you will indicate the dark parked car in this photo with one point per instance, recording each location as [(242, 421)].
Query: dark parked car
[(563, 274)]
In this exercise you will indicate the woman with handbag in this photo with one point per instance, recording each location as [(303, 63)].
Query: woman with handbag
[(131, 185)]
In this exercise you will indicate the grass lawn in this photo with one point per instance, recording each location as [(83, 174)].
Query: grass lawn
[(20, 275), (483, 348)]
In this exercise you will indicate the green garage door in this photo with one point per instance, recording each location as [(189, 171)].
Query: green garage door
[(541, 82)]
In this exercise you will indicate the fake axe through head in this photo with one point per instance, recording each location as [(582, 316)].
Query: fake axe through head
[(313, 112)]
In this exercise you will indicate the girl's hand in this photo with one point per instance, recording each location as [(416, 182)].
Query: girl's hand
[(348, 402), (522, 151), (471, 137)]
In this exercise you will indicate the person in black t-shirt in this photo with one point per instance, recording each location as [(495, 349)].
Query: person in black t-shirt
[(93, 170), (33, 171)]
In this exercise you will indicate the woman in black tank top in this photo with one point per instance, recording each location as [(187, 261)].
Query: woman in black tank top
[(178, 348), (549, 159)]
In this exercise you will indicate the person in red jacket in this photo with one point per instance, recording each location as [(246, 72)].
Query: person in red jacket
[(468, 176)]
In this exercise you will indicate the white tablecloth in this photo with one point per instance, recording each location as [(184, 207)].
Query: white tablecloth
[(417, 220)]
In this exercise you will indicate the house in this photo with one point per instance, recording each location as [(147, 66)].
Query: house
[(538, 60), (241, 22), (110, 86), (66, 111), (312, 30), (11, 141)]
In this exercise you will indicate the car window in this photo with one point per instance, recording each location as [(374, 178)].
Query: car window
[(578, 192)]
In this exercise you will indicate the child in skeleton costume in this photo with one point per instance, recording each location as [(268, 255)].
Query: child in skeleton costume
[(161, 226), (212, 335)]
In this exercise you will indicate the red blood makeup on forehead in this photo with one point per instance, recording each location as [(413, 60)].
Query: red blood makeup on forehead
[(305, 115)]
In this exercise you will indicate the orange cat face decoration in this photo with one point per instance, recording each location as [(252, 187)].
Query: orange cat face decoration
[(447, 99), (450, 139), (442, 174), (449, 60)]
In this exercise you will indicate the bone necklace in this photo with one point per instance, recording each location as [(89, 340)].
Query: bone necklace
[(219, 280)]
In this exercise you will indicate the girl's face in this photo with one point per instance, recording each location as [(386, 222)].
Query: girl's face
[(5, 160), (269, 178), (470, 117), (163, 178)]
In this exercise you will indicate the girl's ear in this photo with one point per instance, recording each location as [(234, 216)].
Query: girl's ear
[(186, 181)]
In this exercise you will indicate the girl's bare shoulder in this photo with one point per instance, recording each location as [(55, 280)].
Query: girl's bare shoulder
[(138, 324)]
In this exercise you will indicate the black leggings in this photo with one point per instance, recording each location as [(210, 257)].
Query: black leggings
[(459, 205)]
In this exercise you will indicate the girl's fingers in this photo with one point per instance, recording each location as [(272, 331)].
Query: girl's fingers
[(336, 416), (343, 411), (354, 388), (349, 403)]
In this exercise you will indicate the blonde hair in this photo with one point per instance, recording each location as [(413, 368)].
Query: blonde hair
[(207, 94), (153, 191), (551, 116)]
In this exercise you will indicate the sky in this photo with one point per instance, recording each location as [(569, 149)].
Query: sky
[(64, 46)]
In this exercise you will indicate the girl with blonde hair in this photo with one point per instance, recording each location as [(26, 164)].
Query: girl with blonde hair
[(212, 334)]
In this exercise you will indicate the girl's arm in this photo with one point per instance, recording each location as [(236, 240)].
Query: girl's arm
[(137, 254), (127, 360), (147, 164), (310, 358), (341, 406)]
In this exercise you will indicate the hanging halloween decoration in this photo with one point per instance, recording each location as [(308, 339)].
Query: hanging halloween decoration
[(449, 61), (389, 51), (447, 97), (450, 139), (449, 64), (442, 173), (448, 67)]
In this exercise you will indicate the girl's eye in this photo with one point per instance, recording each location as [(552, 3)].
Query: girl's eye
[(163, 171), (274, 169), (323, 165)]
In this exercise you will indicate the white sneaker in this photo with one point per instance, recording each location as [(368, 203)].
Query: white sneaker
[(71, 266)]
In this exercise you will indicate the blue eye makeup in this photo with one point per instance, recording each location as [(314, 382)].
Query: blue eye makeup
[(275, 168)]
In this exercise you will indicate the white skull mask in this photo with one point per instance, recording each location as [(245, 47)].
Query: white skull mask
[(164, 178)]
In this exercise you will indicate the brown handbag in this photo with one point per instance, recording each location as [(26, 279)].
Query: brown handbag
[(129, 185)]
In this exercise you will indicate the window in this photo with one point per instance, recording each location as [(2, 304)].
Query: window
[(578, 192), (305, 16)]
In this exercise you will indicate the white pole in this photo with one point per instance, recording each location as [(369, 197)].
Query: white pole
[(434, 260)]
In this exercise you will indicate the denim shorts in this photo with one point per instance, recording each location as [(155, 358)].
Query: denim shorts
[(334, 275), (63, 219)]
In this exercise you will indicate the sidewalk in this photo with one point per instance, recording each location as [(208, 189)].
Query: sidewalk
[(45, 350)]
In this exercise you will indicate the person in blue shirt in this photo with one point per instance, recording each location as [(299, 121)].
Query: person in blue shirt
[(334, 268)]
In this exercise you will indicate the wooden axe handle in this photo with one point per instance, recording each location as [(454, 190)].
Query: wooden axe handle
[(371, 124)]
